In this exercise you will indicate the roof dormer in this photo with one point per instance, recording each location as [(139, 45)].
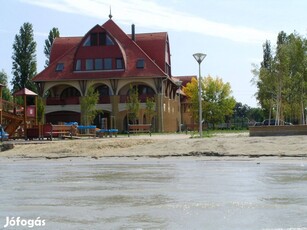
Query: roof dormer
[(98, 51)]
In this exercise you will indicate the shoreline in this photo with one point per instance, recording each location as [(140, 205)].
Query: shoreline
[(234, 146)]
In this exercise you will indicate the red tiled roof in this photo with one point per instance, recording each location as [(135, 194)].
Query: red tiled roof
[(61, 45), (24, 92), (154, 45), (64, 51), (133, 52)]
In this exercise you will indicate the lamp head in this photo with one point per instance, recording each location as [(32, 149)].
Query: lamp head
[(199, 57)]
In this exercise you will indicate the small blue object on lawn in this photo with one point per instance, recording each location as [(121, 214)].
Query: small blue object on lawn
[(4, 136)]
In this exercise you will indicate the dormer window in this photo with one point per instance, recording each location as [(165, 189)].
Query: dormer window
[(108, 63), (119, 63), (89, 64), (78, 65), (98, 64), (98, 39), (94, 38), (87, 41), (59, 67), (140, 64), (109, 41)]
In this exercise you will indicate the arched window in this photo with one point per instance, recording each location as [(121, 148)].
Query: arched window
[(144, 89), (70, 92), (103, 90), (101, 39)]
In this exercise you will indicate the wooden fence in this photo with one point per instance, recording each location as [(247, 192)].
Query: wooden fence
[(281, 130)]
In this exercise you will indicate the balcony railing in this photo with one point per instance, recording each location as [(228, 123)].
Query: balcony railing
[(63, 101), (73, 100), (102, 100), (142, 98)]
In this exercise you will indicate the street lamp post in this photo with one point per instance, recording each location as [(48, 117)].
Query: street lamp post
[(199, 57)]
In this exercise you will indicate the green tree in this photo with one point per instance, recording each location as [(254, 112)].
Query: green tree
[(150, 109), (133, 104), (24, 58), (88, 106), (281, 73), (241, 110), (295, 90), (54, 33), (265, 80), (217, 100), (6, 94), (40, 109), (256, 114), (191, 91), (282, 79)]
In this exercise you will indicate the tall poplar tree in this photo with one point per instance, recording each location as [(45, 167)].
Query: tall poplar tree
[(266, 84), (24, 58), (54, 33)]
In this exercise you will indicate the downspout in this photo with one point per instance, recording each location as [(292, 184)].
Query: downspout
[(162, 105)]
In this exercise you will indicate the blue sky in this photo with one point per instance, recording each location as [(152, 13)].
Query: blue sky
[(230, 32)]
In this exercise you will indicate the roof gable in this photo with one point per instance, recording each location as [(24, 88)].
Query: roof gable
[(132, 50)]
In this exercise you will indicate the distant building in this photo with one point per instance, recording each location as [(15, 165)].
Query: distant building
[(111, 61)]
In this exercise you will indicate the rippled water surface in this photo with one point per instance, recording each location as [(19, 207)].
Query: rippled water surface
[(155, 193)]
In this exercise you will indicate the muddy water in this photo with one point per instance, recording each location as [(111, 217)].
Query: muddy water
[(187, 193)]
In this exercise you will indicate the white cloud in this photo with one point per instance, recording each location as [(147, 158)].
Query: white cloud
[(150, 14)]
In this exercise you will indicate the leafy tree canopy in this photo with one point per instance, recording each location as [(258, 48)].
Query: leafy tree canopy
[(133, 104), (24, 58), (191, 91), (282, 79), (217, 101), (88, 106), (6, 94)]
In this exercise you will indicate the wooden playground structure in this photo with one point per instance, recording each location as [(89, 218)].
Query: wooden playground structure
[(15, 118)]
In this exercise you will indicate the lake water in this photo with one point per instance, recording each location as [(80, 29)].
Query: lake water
[(179, 193)]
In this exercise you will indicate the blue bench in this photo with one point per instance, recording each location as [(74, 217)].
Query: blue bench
[(106, 132), (82, 130)]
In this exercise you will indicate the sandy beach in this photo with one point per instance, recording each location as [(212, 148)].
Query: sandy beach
[(167, 145)]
